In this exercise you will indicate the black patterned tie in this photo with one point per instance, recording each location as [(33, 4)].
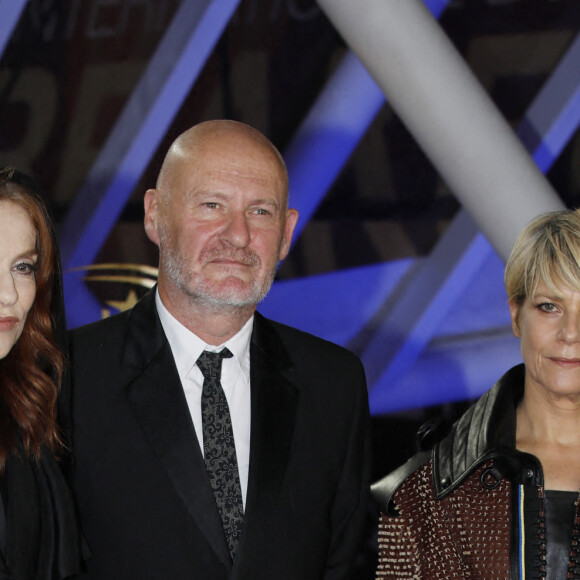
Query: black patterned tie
[(219, 448)]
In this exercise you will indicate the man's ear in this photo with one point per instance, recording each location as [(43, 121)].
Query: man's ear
[(290, 224), (514, 311), (151, 203)]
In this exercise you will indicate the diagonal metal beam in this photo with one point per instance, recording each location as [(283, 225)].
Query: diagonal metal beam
[(450, 371), (10, 12), (440, 101), (422, 301), (305, 304), (330, 132), (176, 64), (554, 116)]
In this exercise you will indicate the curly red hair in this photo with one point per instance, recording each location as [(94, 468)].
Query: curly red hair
[(31, 374)]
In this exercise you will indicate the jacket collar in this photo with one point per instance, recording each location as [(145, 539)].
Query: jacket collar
[(145, 336), (267, 340), (486, 431)]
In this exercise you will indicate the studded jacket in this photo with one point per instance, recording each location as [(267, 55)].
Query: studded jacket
[(453, 512)]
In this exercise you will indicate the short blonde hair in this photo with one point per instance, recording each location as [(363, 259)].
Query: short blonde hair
[(547, 249)]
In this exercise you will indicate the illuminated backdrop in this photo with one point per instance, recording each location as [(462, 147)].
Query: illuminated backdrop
[(93, 92)]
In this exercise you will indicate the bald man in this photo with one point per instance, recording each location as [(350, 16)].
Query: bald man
[(210, 442)]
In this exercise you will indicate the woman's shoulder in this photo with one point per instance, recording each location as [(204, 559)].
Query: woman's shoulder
[(383, 490)]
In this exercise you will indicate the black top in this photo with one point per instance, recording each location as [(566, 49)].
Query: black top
[(548, 541), (559, 511), (40, 537)]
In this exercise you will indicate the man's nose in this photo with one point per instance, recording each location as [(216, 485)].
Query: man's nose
[(237, 230)]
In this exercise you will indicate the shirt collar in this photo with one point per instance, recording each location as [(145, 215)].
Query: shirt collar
[(187, 346)]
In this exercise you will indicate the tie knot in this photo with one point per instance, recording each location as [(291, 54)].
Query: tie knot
[(210, 363)]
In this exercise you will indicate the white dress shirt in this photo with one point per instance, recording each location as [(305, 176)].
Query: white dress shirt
[(235, 379)]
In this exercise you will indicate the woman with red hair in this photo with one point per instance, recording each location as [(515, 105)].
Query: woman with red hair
[(39, 538)]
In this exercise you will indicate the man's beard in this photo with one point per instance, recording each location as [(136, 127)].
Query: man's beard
[(214, 293)]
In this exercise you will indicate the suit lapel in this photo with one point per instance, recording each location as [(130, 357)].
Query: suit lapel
[(160, 406), (274, 402)]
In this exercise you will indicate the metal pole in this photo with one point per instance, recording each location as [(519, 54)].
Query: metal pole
[(448, 112)]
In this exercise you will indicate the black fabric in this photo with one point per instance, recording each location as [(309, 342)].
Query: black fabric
[(2, 521), (559, 509), (42, 538)]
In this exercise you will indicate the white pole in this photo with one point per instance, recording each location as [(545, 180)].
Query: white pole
[(447, 111)]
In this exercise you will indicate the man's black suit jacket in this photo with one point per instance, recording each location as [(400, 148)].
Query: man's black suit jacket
[(145, 504)]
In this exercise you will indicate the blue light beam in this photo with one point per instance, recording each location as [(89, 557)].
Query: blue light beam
[(10, 12)]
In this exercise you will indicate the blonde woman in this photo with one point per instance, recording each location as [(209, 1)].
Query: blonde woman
[(498, 496)]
